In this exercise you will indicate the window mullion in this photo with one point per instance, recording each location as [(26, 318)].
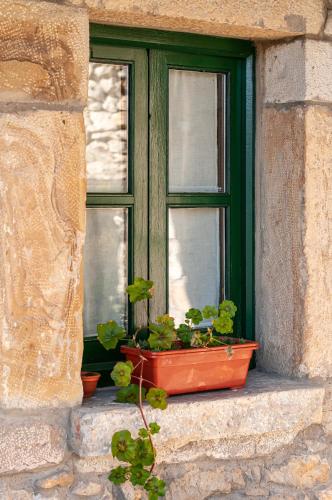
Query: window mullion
[(139, 151), (158, 180)]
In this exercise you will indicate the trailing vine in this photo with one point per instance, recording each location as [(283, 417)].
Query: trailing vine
[(138, 452)]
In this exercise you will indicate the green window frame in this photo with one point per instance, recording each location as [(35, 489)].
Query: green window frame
[(150, 54)]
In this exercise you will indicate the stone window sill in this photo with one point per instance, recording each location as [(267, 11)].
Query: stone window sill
[(257, 420)]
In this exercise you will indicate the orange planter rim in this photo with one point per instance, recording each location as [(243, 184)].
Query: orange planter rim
[(248, 344)]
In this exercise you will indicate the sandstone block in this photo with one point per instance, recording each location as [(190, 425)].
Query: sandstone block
[(84, 489), (17, 494), (301, 472), (298, 71), (26, 447), (101, 465), (279, 241), (43, 52), (254, 491), (317, 348), (61, 478), (256, 421), (197, 484), (246, 18), (42, 207), (293, 245), (328, 24), (325, 493)]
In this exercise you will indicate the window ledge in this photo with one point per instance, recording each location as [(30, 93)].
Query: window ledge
[(257, 420)]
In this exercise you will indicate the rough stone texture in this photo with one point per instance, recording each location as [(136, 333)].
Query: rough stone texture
[(27, 446), (279, 240), (88, 465), (327, 408), (42, 182), (317, 344), (325, 494), (298, 71), (293, 472), (328, 25), (87, 489), (219, 425), (247, 18), (301, 472), (293, 241), (60, 478), (43, 52)]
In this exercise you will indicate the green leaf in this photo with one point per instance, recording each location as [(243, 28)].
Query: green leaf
[(156, 488), (223, 324), (139, 290), (161, 337), (138, 475), (184, 333), (209, 312), (228, 306), (118, 475), (144, 453), (109, 334), (123, 446), (121, 373), (154, 428), (130, 394), (166, 320), (195, 315), (157, 398), (143, 433)]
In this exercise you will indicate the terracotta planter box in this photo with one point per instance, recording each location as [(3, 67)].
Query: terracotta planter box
[(194, 370)]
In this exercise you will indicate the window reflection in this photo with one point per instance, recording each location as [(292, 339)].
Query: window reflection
[(106, 121), (105, 267), (196, 251)]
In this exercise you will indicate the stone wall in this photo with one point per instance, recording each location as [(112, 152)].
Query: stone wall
[(267, 441), (294, 206), (43, 87)]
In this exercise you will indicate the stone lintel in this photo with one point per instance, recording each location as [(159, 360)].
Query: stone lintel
[(254, 421), (255, 19)]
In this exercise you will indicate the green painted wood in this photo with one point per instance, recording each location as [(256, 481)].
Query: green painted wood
[(234, 267), (154, 39), (140, 176), (137, 198), (161, 62), (105, 200), (249, 257), (197, 199), (150, 54), (158, 181)]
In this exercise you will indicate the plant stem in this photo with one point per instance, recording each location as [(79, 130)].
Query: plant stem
[(144, 379), (140, 405)]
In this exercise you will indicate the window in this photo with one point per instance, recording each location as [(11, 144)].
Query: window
[(169, 166)]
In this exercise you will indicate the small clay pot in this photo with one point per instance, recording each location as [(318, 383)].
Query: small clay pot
[(89, 381)]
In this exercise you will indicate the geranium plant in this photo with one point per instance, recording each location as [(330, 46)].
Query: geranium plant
[(138, 453)]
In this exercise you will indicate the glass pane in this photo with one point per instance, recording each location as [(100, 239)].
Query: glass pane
[(106, 122), (105, 267), (196, 258), (196, 131)]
